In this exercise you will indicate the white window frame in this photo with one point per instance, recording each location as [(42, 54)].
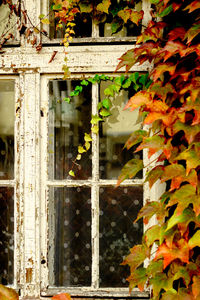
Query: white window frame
[(95, 184)]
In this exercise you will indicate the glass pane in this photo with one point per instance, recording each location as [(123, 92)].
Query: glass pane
[(67, 124), (82, 29), (128, 29), (7, 121), (118, 210), (114, 132), (7, 21), (6, 235), (70, 220)]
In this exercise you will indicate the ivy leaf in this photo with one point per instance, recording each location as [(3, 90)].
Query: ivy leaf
[(84, 82), (149, 210), (78, 157), (192, 159), (67, 99), (160, 282), (138, 278), (154, 175), (137, 256), (138, 100), (135, 138), (7, 293), (192, 32), (62, 296), (153, 143), (95, 119), (131, 168), (87, 137), (195, 286), (178, 251), (186, 217), (45, 21), (71, 173), (195, 240), (166, 11), (106, 103), (104, 6), (136, 16), (87, 146), (81, 149), (152, 234), (104, 112), (85, 8), (95, 129), (193, 6)]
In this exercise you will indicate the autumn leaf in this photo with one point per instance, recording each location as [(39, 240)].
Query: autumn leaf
[(192, 32), (179, 251), (137, 256), (138, 100), (104, 6), (193, 6), (149, 210), (138, 278), (7, 293), (62, 296), (152, 234), (162, 68), (195, 286), (131, 168), (154, 174), (185, 217), (195, 240), (135, 138)]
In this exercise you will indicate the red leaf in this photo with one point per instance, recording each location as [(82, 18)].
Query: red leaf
[(178, 32), (179, 251), (193, 6), (162, 68), (138, 100)]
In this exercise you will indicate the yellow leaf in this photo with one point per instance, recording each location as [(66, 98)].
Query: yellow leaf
[(87, 137), (81, 149), (95, 129), (71, 173), (104, 6), (87, 145), (45, 21)]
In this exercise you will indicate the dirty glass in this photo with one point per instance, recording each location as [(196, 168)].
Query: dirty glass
[(71, 223), (114, 133), (7, 20), (6, 235), (82, 29), (7, 119), (67, 124), (118, 233)]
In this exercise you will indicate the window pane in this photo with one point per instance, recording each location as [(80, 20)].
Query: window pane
[(114, 132), (70, 220), (118, 210), (6, 235), (82, 29), (7, 21), (67, 124), (115, 23), (7, 120)]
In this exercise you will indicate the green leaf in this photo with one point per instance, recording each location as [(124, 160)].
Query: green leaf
[(74, 93), (57, 7), (166, 11), (195, 240), (67, 99), (154, 174), (45, 21), (79, 88), (138, 278), (84, 82), (131, 168), (109, 91), (104, 112), (135, 138), (137, 256), (152, 234), (85, 7), (71, 173), (186, 217), (41, 16), (106, 103)]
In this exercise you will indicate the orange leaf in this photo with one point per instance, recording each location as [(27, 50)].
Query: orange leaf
[(138, 100), (7, 293), (63, 296)]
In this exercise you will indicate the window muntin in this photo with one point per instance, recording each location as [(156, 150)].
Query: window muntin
[(99, 192)]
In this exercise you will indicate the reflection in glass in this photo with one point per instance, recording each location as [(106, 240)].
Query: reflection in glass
[(122, 30), (83, 27), (114, 132), (7, 120), (7, 20), (67, 124), (70, 220), (118, 210), (6, 235)]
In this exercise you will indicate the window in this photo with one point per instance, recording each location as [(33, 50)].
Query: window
[(60, 233)]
